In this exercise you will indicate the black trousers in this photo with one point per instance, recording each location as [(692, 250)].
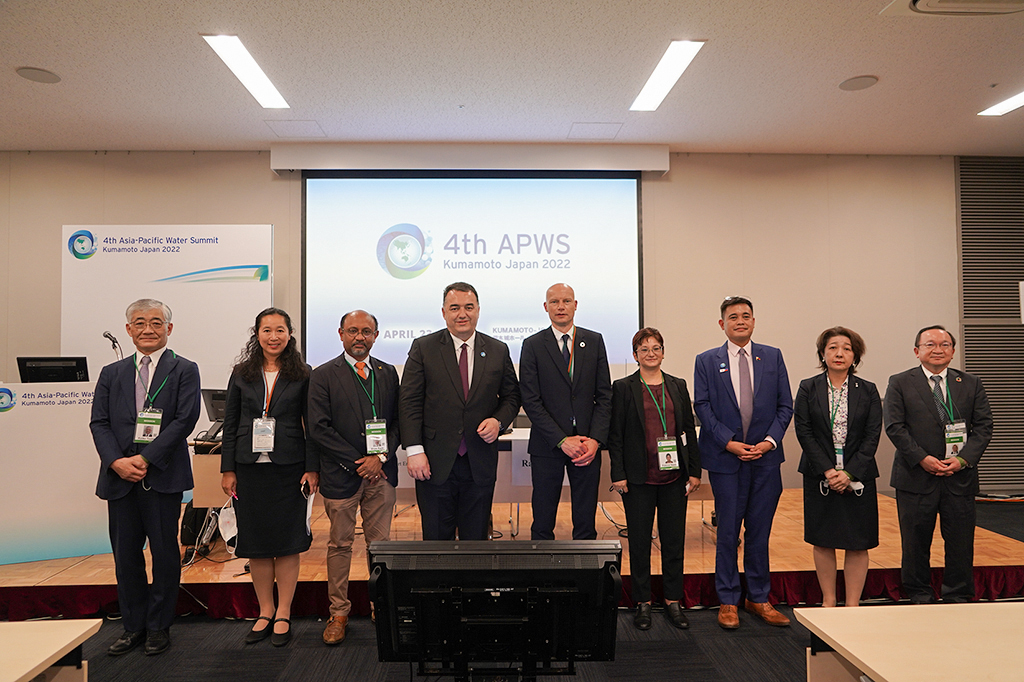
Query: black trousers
[(139, 516), (458, 504), (670, 502), (917, 526), (546, 474)]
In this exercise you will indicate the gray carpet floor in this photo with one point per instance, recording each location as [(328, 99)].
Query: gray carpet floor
[(209, 649)]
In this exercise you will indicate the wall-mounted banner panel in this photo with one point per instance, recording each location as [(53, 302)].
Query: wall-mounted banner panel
[(215, 278)]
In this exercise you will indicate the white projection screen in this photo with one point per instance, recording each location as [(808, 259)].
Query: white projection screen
[(389, 243)]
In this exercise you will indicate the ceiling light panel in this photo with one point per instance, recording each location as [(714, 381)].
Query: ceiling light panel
[(672, 65), (1004, 107), (231, 50)]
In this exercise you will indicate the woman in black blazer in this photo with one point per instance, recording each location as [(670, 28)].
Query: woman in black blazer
[(270, 476), (838, 419), (655, 464)]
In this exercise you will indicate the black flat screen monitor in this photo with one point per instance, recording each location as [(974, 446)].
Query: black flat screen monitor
[(215, 400), (464, 608), (45, 370)]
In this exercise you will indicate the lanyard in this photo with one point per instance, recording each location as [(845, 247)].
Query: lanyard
[(833, 404), (373, 386), (947, 403), (268, 391), (661, 410), (151, 398), (572, 351)]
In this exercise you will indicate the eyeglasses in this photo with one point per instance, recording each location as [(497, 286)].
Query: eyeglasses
[(352, 331), (931, 345), (140, 325), (647, 351)]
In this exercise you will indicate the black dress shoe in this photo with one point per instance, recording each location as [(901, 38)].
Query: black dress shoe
[(642, 620), (127, 642), (284, 637), (260, 635), (157, 642), (675, 615)]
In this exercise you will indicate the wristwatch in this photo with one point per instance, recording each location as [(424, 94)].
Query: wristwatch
[(382, 457)]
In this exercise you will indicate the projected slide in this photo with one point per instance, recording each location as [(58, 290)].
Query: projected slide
[(391, 245)]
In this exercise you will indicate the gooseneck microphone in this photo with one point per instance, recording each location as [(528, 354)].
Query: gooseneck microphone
[(114, 344)]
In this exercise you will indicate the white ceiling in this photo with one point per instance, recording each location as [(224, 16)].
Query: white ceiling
[(138, 76)]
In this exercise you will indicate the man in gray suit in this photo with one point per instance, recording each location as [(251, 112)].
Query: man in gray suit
[(940, 421), (459, 391)]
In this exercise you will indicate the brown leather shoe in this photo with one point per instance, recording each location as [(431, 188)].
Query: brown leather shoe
[(767, 613), (334, 633), (728, 617)]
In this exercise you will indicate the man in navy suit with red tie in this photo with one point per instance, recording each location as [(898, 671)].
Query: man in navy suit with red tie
[(744, 402), (143, 411), (459, 391), (567, 394)]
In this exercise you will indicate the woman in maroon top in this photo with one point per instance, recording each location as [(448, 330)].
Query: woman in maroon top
[(655, 465)]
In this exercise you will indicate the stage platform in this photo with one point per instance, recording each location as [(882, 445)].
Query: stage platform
[(216, 585)]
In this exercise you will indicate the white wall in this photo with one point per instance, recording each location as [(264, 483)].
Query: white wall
[(814, 241)]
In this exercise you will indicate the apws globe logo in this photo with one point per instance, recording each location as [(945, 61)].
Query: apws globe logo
[(6, 399), (404, 251), (82, 245)]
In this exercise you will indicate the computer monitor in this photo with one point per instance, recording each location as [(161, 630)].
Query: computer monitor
[(215, 400), (492, 608), (52, 369)]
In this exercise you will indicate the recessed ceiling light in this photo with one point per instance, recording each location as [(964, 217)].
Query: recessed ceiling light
[(1004, 107), (233, 52), (38, 75), (675, 60), (858, 83)]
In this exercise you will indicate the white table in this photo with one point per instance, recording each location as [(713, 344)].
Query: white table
[(918, 643), (28, 648)]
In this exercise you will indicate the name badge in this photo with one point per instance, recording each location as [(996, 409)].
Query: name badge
[(263, 434), (376, 437), (839, 456), (147, 425), (956, 438), (668, 458)]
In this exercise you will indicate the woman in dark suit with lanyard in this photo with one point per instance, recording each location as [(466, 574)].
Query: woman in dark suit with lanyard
[(270, 467), (838, 419), (655, 464)]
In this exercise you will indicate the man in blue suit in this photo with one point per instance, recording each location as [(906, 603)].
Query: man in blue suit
[(567, 394), (143, 411), (744, 402)]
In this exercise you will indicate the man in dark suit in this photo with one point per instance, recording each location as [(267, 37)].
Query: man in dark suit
[(350, 397), (459, 391), (930, 410), (567, 393), (744, 402), (143, 472)]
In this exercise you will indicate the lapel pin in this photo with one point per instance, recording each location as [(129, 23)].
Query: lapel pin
[(483, 354), (757, 357), (722, 365), (583, 344)]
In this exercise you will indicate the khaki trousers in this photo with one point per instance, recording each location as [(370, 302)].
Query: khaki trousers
[(376, 503)]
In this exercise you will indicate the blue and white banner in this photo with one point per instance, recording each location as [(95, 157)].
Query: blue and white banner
[(50, 509), (215, 278)]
